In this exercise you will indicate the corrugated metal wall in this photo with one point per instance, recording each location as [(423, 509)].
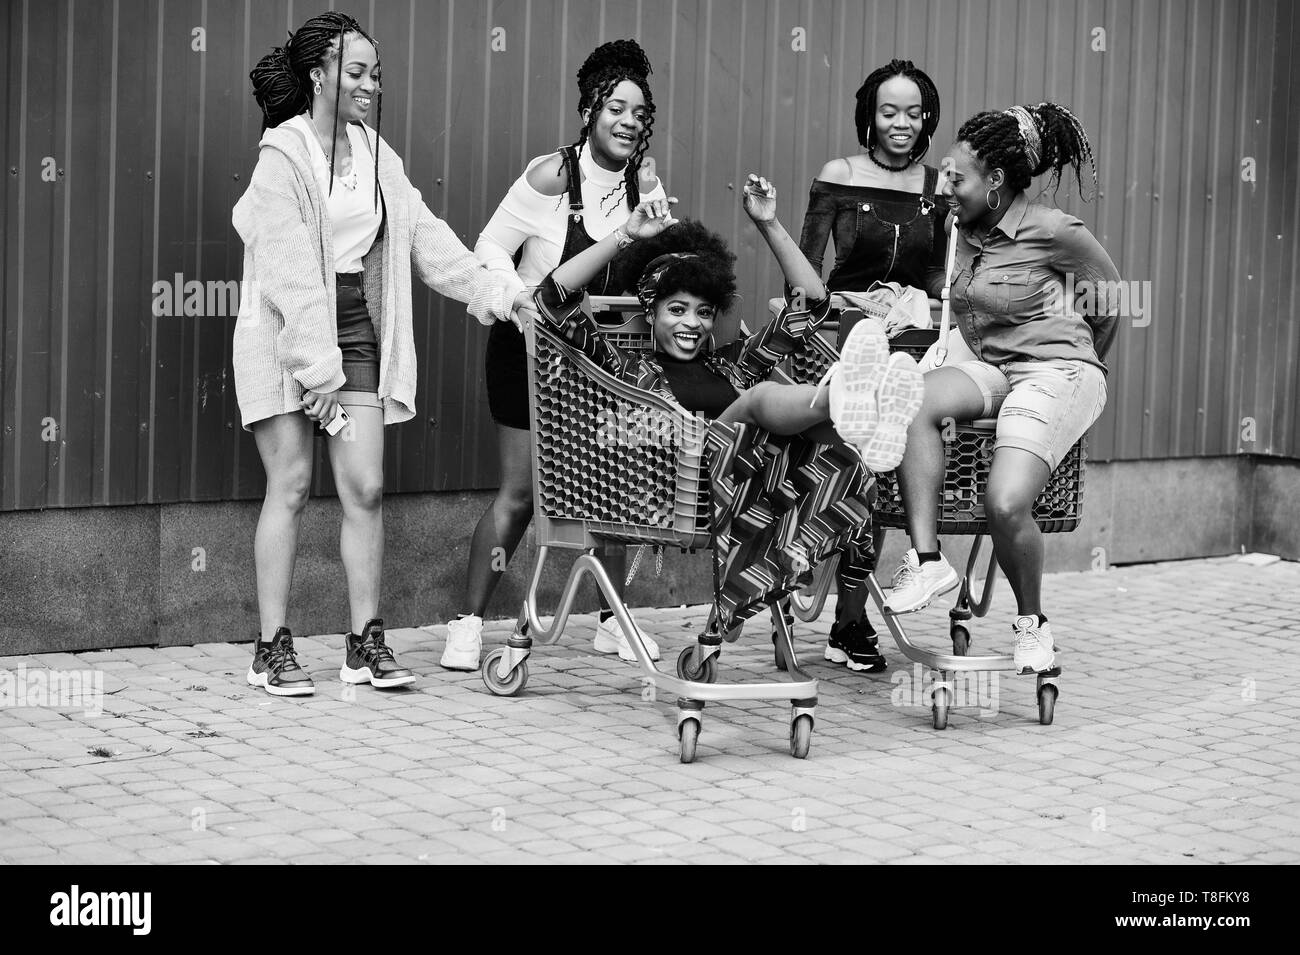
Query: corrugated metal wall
[(148, 142)]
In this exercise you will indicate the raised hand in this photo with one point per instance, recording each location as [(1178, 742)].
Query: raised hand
[(759, 198), (650, 218)]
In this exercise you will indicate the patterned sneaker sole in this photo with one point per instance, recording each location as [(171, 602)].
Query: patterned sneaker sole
[(260, 680), (898, 401), (863, 363), (363, 675), (943, 588), (1028, 670), (832, 655), (464, 664), (606, 644)]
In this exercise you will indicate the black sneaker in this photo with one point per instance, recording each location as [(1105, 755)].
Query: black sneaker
[(854, 645), (275, 667), (369, 660)]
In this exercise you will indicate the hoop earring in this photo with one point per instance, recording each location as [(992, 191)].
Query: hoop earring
[(993, 192), (921, 155), (317, 88)]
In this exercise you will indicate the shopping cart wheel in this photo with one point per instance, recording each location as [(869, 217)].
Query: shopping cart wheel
[(1046, 703), (960, 640), (686, 669), (515, 681), (800, 736), (688, 731), (942, 700)]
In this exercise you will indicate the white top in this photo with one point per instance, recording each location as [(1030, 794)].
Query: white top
[(351, 203), (539, 223)]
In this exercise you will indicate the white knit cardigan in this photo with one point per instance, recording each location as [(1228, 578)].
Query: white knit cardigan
[(286, 338)]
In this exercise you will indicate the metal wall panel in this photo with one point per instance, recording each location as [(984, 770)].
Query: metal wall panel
[(101, 402)]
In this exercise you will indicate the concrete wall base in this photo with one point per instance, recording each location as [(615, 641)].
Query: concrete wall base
[(179, 574)]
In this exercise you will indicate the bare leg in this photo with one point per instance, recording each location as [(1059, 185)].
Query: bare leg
[(357, 459), (504, 523), (950, 396), (1016, 478), (779, 408), (284, 443)]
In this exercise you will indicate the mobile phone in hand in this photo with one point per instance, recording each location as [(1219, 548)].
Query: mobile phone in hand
[(339, 422)]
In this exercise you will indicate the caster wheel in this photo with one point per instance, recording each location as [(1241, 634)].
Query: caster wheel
[(960, 640), (1046, 703), (708, 673), (688, 731), (801, 736), (942, 700), (512, 684)]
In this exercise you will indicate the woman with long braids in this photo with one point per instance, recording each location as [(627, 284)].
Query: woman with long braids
[(1038, 354), (880, 207), (564, 203), (332, 229)]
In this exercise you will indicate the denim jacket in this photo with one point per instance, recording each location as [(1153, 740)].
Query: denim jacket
[(1038, 287)]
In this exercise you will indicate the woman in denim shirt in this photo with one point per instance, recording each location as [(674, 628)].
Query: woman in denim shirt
[(881, 208), (1034, 295)]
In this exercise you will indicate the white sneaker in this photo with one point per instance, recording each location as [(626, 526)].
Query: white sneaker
[(464, 643), (898, 399), (1034, 651), (610, 639), (916, 584), (854, 379), (874, 396)]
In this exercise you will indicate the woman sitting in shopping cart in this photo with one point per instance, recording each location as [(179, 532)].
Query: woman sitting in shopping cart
[(1028, 352), (686, 280)]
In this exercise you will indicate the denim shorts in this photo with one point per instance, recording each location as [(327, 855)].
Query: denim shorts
[(1042, 407), (356, 335)]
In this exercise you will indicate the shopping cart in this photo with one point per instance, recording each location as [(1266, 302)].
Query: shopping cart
[(968, 450), (616, 464)]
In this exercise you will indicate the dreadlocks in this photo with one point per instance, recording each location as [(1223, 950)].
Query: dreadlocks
[(607, 66), (281, 79), (864, 115), (1027, 141)]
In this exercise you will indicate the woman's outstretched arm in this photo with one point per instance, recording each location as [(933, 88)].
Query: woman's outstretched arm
[(647, 219), (759, 197)]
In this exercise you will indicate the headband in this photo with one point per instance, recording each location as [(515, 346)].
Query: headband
[(1028, 134), (648, 285)]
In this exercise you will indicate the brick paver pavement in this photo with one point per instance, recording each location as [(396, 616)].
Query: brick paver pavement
[(1174, 741)]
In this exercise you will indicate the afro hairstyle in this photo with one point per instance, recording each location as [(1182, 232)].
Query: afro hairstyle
[(711, 274)]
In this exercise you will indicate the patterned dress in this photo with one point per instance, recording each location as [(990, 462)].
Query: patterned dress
[(778, 503)]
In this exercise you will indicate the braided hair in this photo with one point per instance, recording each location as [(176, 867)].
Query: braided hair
[(282, 78), (864, 115), (709, 271), (608, 65), (1027, 141)]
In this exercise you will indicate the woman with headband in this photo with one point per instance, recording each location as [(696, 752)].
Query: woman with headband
[(880, 207), (1037, 362), (332, 229), (563, 203)]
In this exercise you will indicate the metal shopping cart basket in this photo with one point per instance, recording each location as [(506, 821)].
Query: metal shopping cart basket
[(968, 453), (616, 464)]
